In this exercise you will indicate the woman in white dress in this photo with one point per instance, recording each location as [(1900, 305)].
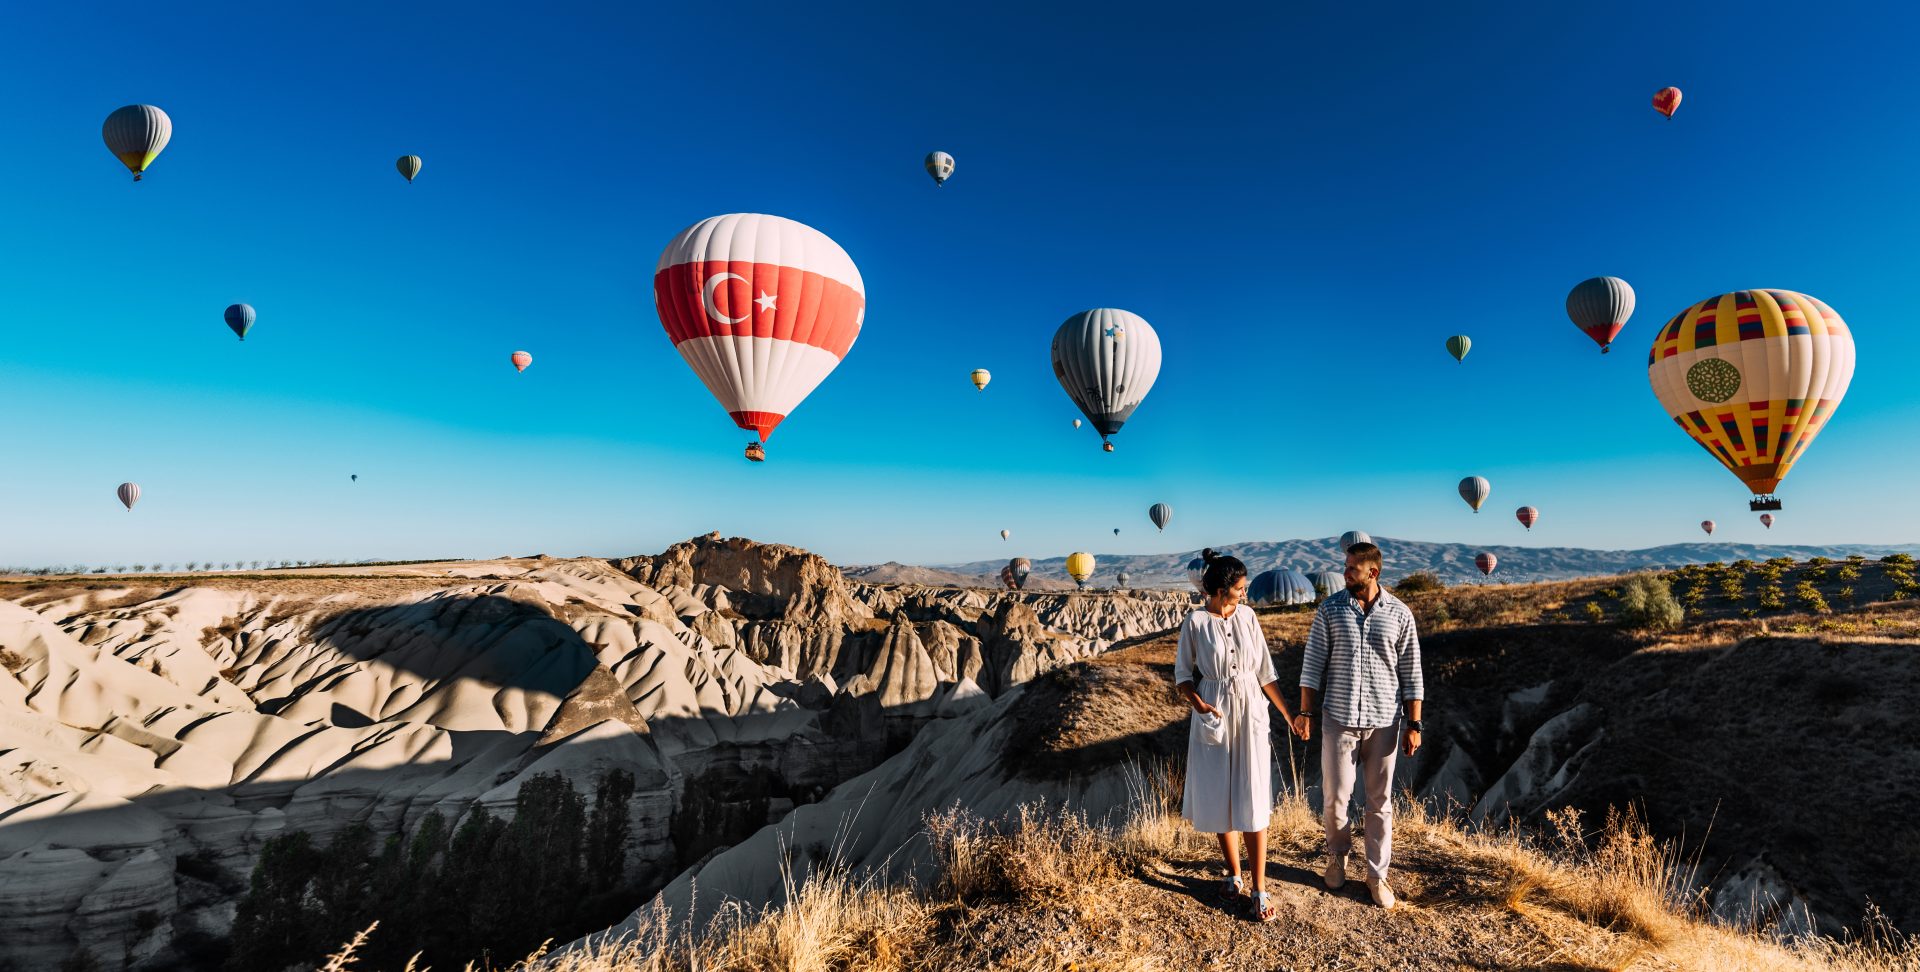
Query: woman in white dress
[(1225, 673)]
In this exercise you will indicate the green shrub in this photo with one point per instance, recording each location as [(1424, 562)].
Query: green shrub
[(1846, 594), (1647, 602), (1781, 562), (1819, 561), (1732, 587), (1898, 559), (1848, 573), (1743, 565), (1419, 582), (1595, 612), (1856, 558), (1772, 597), (1810, 598)]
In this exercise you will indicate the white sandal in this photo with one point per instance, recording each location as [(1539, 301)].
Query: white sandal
[(1231, 887), (1262, 902)]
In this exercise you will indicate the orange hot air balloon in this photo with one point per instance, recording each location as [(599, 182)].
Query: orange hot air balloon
[(1666, 100), (521, 360)]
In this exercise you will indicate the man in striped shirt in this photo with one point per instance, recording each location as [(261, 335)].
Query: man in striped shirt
[(1360, 672)]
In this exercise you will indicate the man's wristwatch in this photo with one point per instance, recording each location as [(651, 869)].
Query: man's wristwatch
[(1413, 725), (1305, 714)]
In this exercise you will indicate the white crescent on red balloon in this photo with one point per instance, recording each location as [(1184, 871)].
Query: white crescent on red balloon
[(762, 308)]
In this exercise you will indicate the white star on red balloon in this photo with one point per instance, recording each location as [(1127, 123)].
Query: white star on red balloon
[(766, 302)]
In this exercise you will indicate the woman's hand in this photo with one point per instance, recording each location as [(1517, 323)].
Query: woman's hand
[(1200, 705), (1303, 727)]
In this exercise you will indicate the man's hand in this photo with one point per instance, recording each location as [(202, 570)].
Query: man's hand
[(1303, 726), (1412, 744)]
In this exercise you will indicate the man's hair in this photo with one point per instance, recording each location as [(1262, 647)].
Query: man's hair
[(1366, 553)]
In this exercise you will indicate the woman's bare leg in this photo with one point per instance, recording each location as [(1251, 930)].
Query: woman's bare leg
[(1230, 851), (1257, 858)]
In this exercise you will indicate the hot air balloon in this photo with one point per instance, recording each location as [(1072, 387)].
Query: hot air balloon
[(1122, 578), (135, 135), (1600, 307), (1766, 520), (1486, 562), (1753, 376), (1021, 567), (1005, 534), (1006, 577), (1666, 100), (1475, 490), (129, 495), (1707, 525), (1327, 582), (521, 360), (940, 167), (1280, 586), (1196, 571), (409, 166), (980, 378), (355, 477), (240, 319), (1527, 516), (1106, 360), (1160, 514), (1352, 537), (762, 308), (1116, 531), (1080, 567), (1076, 423), (1458, 346)]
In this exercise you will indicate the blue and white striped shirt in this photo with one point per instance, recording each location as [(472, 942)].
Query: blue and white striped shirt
[(1363, 663)]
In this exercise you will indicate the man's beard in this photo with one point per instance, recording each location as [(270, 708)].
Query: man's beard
[(1357, 589)]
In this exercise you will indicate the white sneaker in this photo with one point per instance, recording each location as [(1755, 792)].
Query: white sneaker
[(1336, 873), (1382, 895)]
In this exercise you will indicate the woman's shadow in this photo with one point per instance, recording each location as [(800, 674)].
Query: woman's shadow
[(1206, 890)]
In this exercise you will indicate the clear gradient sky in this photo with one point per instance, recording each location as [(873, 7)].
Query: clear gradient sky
[(1303, 202)]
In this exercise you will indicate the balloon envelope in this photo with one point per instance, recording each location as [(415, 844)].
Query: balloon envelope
[(1766, 520), (1076, 423), (1527, 516), (135, 135), (1281, 586), (940, 167), (1021, 567), (240, 319), (1475, 490), (1161, 514), (1080, 567), (521, 360), (1122, 578), (1753, 376), (129, 494), (1327, 582), (1486, 562), (1196, 570), (1666, 100), (1707, 525), (1107, 361), (980, 378), (1600, 306), (409, 166), (762, 308), (1458, 346), (1352, 537), (1005, 534)]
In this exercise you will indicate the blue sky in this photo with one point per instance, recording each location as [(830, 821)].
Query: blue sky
[(1304, 203)]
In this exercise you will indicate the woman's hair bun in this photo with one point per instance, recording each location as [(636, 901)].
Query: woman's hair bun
[(1208, 555)]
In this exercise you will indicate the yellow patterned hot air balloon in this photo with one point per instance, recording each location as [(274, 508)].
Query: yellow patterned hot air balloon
[(1080, 567), (1753, 376), (980, 378)]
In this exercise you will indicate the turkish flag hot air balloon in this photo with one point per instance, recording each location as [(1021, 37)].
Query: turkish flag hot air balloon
[(1527, 516), (762, 308), (1486, 562), (521, 360), (1666, 100), (1753, 376)]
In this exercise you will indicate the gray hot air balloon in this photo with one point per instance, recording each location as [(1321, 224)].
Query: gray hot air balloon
[(1160, 513), (409, 166), (1021, 567), (1328, 582), (1282, 585), (1196, 570), (1352, 537), (1600, 306), (240, 318), (129, 495), (1106, 359), (135, 135), (1475, 490), (1122, 578), (940, 167)]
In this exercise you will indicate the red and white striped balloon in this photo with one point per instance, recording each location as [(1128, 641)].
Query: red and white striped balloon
[(1766, 520), (762, 308), (521, 360), (1486, 562), (1527, 516)]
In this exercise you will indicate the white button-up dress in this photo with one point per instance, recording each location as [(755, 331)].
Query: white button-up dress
[(1229, 786)]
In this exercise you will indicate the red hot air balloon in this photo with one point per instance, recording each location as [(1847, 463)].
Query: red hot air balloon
[(762, 308), (521, 360), (1766, 520), (1527, 515), (1486, 562), (1707, 525), (1666, 100)]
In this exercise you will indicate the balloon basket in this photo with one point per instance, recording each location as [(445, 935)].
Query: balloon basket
[(1763, 503), (756, 452)]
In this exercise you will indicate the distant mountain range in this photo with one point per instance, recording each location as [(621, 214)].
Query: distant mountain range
[(1453, 562)]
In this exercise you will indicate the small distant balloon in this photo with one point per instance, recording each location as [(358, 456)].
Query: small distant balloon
[(1080, 567), (1352, 537), (409, 166), (355, 477), (1116, 531), (1020, 567), (135, 135), (240, 319), (1486, 562), (1766, 520), (1161, 514), (1196, 571), (129, 494), (940, 167), (1475, 490), (1527, 516), (1076, 423), (1666, 100), (1122, 578), (1599, 307), (1458, 346), (1005, 534), (521, 360), (1707, 525), (980, 378)]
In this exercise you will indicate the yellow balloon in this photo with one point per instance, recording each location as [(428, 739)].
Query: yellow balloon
[(1080, 567), (980, 378), (1753, 376)]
